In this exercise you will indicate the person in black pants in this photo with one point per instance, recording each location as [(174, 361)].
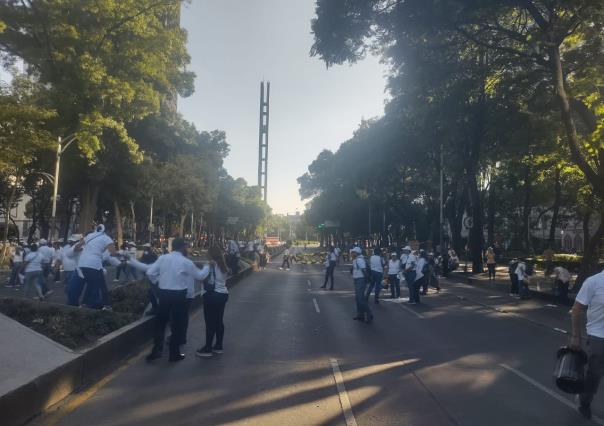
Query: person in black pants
[(330, 264), (215, 298), (176, 277), (148, 258)]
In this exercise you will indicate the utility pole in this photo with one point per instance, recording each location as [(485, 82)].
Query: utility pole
[(263, 139), (441, 222)]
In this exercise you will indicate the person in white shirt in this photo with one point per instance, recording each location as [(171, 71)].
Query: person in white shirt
[(376, 264), (338, 253), (359, 276), (175, 275), (562, 279), (286, 255), (233, 255), (591, 299), (47, 254), (68, 260), (421, 270), (522, 279), (394, 268), (330, 266), (90, 264), (409, 265), (215, 297), (33, 265), (16, 263)]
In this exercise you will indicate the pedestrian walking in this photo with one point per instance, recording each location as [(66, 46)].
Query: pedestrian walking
[(215, 296), (68, 261), (175, 275), (94, 246), (376, 265), (33, 269), (47, 254), (491, 263), (286, 255), (360, 278), (330, 265), (409, 262), (233, 255), (514, 290), (16, 260), (421, 271), (523, 276), (431, 278), (591, 299), (394, 269), (562, 279)]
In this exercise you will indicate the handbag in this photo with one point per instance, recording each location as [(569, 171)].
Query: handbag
[(209, 284)]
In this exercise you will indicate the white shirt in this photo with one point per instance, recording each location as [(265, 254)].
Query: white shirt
[(17, 258), (34, 261), (174, 271), (410, 262), (337, 251), (394, 267), (562, 274), (69, 258), (521, 271), (233, 247), (47, 253), (92, 254), (418, 269), (592, 296), (358, 265), (218, 279), (375, 263), (286, 252), (331, 257)]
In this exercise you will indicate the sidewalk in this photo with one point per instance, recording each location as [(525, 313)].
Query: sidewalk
[(26, 355)]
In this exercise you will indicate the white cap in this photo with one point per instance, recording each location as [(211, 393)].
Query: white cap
[(74, 237), (146, 245), (393, 254), (42, 242), (357, 250), (407, 248)]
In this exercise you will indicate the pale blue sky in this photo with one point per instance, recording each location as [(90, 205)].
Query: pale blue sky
[(235, 44)]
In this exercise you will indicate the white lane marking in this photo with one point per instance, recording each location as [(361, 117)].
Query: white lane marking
[(408, 309), (344, 401), (316, 305), (309, 285), (559, 330), (551, 393)]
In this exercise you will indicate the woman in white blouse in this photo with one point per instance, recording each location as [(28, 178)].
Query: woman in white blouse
[(215, 297)]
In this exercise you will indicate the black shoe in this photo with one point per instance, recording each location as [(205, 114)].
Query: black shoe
[(330, 288), (369, 320), (359, 318), (153, 356), (585, 411), (204, 353), (322, 286), (176, 357), (217, 349)]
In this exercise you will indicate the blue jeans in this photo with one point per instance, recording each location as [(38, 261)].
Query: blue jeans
[(395, 286), (96, 294), (376, 284), (14, 274), (74, 289), (410, 279), (362, 305), (66, 278)]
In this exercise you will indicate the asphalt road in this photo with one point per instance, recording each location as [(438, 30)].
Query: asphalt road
[(293, 356)]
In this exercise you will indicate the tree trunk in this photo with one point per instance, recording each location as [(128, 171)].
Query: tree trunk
[(526, 212), (476, 236), (595, 180), (88, 210), (119, 229), (491, 215), (133, 221), (9, 204), (556, 209), (181, 229), (591, 254)]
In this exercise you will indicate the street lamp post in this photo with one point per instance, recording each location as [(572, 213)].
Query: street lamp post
[(62, 145)]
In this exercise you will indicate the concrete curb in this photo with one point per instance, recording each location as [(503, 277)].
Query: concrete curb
[(22, 404)]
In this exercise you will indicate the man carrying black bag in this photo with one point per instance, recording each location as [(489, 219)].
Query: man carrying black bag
[(590, 298)]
